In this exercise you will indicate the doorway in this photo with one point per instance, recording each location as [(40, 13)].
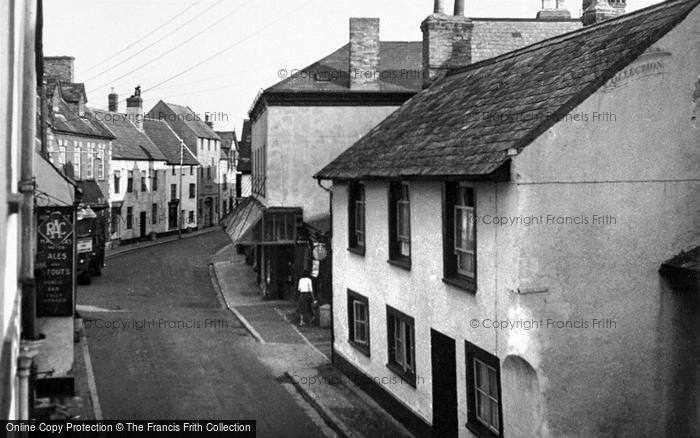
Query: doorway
[(142, 224), (444, 372), (172, 215)]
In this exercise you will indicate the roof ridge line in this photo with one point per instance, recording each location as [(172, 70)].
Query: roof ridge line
[(565, 36)]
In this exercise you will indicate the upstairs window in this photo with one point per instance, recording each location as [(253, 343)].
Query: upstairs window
[(143, 181), (117, 180), (193, 191), (101, 163), (130, 182), (400, 224), (459, 235), (356, 216), (90, 167), (173, 191), (155, 179)]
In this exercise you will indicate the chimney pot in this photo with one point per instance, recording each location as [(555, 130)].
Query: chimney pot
[(439, 7), (459, 8)]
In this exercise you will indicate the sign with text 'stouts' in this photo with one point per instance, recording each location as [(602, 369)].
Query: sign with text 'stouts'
[(55, 261)]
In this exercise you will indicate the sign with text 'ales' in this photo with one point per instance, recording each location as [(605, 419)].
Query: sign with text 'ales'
[(55, 261)]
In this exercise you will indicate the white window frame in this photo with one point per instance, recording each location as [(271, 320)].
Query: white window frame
[(90, 167), (404, 240), (101, 166), (76, 163), (360, 323), (360, 204), (403, 349), (480, 392)]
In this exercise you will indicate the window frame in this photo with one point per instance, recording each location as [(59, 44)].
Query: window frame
[(399, 192), (192, 190), (453, 200), (405, 322), (154, 214), (473, 354), (130, 182), (101, 162), (173, 192), (144, 186), (117, 181), (357, 196), (129, 218), (356, 298)]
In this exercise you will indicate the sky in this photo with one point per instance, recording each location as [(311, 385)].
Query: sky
[(215, 56)]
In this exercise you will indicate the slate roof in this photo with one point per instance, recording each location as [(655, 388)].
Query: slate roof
[(228, 141), (129, 142), (244, 148), (70, 92), (168, 142), (495, 36), (330, 73), (185, 116), (66, 121), (464, 124)]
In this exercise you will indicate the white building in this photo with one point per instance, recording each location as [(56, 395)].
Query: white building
[(524, 261)]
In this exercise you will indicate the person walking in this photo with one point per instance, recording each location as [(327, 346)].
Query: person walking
[(306, 298)]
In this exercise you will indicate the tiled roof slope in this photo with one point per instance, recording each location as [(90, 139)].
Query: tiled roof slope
[(66, 121), (495, 36), (169, 143), (245, 147), (400, 65), (445, 130), (187, 117), (129, 142), (228, 141)]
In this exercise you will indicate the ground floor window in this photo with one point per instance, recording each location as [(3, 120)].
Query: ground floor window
[(190, 217), (483, 392), (358, 321), (401, 344), (116, 217)]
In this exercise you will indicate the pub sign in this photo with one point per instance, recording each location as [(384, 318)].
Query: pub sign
[(55, 261)]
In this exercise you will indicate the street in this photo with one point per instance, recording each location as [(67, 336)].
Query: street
[(163, 346)]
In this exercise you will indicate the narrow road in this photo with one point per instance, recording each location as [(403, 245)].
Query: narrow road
[(163, 347)]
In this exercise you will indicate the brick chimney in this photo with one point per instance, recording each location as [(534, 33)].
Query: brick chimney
[(554, 10), (447, 41), (364, 53), (61, 67), (134, 108), (113, 102), (596, 11)]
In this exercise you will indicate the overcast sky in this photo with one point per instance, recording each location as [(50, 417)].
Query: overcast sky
[(248, 41)]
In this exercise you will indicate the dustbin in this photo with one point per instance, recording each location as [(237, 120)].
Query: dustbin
[(325, 316)]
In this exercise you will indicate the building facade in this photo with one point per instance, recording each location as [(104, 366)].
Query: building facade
[(227, 171), (244, 181), (511, 282), (205, 144), (305, 121), (137, 197), (179, 188)]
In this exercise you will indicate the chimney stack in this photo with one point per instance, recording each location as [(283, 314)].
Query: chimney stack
[(447, 41), (459, 8), (596, 11), (364, 53), (61, 67), (554, 10), (134, 108), (113, 102), (208, 122)]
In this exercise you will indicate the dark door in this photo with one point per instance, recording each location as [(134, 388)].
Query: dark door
[(442, 350), (172, 215), (142, 223)]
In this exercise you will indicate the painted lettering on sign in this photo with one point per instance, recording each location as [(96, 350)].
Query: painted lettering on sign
[(650, 63)]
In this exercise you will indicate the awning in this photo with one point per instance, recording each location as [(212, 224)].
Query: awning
[(683, 270), (241, 223), (92, 194)]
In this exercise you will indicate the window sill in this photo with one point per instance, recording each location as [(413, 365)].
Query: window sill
[(480, 430), (403, 264), (362, 348), (461, 283), (405, 377), (357, 250)]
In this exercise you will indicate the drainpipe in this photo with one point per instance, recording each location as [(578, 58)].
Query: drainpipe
[(26, 188), (330, 251)]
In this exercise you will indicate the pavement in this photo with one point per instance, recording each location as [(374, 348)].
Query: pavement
[(300, 355)]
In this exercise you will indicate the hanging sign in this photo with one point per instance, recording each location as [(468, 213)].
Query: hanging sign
[(319, 252), (56, 251)]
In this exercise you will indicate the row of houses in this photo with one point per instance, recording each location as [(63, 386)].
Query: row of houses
[(146, 174), (511, 217)]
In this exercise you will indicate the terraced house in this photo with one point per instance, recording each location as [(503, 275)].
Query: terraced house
[(205, 144), (306, 120), (516, 248), (137, 201)]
